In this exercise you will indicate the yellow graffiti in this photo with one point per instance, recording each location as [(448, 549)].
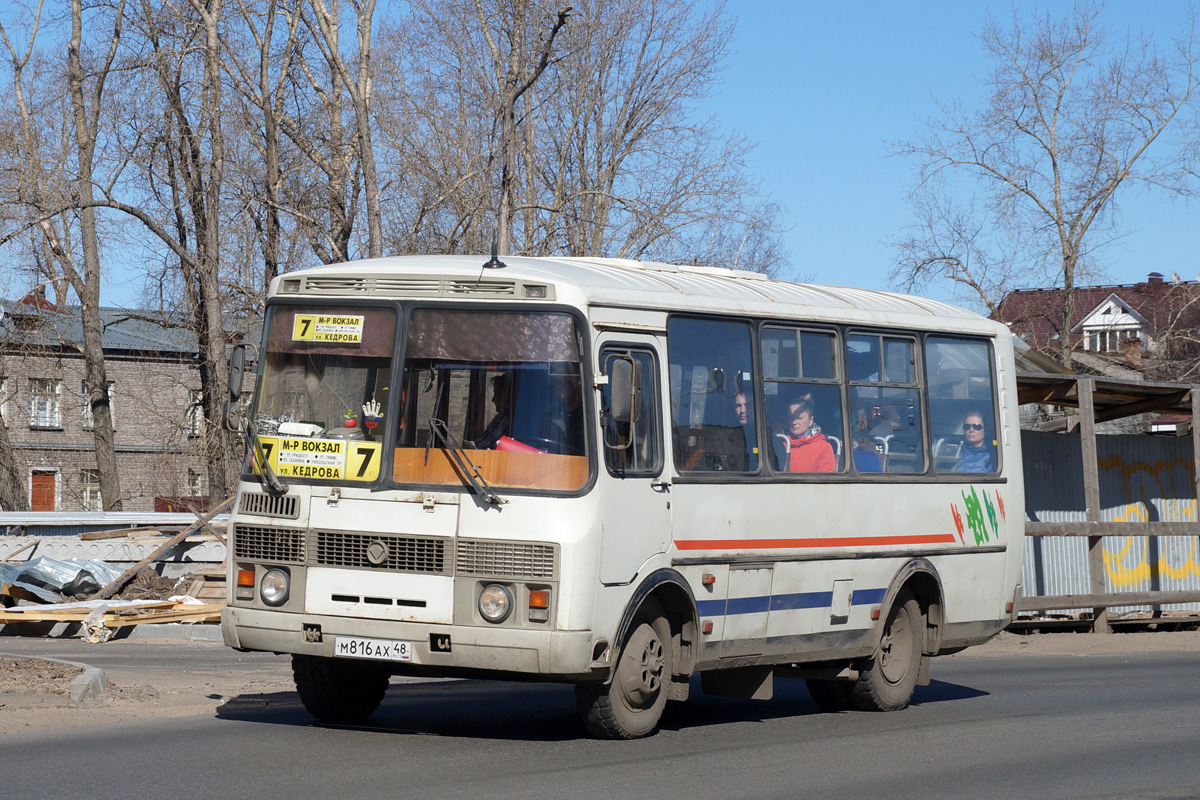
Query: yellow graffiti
[(1131, 565)]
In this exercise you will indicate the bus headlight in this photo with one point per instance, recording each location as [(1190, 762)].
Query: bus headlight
[(274, 587), (495, 602)]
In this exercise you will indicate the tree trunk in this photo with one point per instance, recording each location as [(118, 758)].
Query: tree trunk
[(12, 483), (87, 286)]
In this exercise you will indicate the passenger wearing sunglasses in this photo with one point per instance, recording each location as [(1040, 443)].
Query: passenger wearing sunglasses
[(976, 454)]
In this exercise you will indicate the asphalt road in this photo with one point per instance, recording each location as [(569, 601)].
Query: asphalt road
[(1106, 726)]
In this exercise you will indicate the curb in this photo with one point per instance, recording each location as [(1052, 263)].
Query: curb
[(89, 684)]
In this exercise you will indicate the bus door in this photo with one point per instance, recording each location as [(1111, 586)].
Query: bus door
[(635, 495)]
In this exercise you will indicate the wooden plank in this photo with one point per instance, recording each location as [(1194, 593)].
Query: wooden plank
[(20, 550), (1196, 446), (127, 575), (1091, 495), (208, 528), (117, 534), (1067, 601), (1112, 528)]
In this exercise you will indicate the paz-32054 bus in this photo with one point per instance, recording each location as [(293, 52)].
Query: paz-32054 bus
[(619, 475)]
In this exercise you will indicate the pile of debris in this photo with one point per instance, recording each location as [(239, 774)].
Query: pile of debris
[(104, 599)]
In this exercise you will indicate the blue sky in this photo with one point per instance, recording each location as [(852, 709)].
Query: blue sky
[(823, 87)]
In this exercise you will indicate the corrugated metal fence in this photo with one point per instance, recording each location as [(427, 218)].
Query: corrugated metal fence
[(1142, 479)]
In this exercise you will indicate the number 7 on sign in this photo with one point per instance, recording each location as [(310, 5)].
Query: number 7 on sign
[(364, 461)]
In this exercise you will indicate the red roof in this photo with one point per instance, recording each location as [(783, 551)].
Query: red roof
[(1036, 315)]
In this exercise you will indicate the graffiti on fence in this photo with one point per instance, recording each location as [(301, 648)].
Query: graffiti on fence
[(1153, 491)]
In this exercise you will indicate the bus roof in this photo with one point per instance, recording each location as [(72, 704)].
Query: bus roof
[(624, 283)]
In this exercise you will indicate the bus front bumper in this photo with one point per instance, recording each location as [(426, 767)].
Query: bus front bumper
[(460, 649)]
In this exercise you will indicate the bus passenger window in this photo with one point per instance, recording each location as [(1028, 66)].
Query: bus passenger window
[(885, 404), (709, 367), (803, 400), (962, 417)]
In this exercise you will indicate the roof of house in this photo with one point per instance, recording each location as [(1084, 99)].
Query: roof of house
[(34, 322), (1036, 314)]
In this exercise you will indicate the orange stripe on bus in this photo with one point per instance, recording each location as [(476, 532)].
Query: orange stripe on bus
[(781, 544)]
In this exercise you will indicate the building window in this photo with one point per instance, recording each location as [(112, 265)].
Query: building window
[(3, 398), (1110, 341), (89, 490), (43, 403), (194, 485), (86, 416), (195, 414)]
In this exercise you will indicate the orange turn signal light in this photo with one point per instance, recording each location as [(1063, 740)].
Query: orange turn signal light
[(539, 598), (245, 577), (874, 613), (709, 579)]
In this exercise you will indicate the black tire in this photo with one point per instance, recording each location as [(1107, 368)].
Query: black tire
[(831, 695), (631, 704), (339, 690), (887, 679)]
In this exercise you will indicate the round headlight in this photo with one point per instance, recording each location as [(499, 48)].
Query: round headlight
[(274, 587), (495, 603)]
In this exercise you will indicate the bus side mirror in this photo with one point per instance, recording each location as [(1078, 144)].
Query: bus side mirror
[(625, 382), (237, 371), (624, 410)]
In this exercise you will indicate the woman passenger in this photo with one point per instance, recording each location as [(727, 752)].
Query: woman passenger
[(809, 450)]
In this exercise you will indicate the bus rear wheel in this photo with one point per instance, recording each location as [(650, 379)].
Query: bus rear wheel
[(886, 681), (338, 690), (631, 704)]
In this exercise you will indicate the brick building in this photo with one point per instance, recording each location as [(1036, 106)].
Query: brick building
[(154, 384), (1149, 329)]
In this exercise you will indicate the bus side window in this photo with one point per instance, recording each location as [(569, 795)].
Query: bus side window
[(632, 445), (710, 365), (961, 399)]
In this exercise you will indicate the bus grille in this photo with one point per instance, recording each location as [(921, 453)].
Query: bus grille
[(409, 286), (255, 543), (381, 551), (511, 559), (266, 505)]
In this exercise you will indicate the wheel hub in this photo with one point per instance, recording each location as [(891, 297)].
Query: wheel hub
[(641, 672)]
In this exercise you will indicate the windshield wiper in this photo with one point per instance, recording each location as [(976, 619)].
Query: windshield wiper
[(266, 476), (462, 462)]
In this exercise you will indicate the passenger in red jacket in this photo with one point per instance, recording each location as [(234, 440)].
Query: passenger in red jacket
[(809, 450)]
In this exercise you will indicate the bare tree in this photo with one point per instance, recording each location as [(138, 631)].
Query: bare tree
[(85, 86), (1075, 115), (609, 158)]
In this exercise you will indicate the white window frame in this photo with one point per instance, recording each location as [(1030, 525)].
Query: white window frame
[(45, 395), (89, 490), (86, 417), (195, 483), (194, 418)]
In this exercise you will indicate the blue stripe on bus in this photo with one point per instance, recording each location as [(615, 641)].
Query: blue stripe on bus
[(867, 597), (783, 602)]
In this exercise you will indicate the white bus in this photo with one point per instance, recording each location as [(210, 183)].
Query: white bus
[(619, 475)]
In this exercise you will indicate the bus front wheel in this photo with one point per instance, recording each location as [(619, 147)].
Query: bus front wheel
[(886, 681), (631, 704), (338, 690)]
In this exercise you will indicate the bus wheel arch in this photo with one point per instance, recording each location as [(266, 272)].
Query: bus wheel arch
[(654, 655), (907, 634), (922, 580)]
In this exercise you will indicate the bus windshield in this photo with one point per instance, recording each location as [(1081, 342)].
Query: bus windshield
[(324, 370), (503, 386)]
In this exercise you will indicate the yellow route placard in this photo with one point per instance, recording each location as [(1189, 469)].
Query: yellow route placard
[(322, 459), (328, 328)]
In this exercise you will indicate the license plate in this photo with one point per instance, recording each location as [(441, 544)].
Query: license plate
[(379, 649)]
